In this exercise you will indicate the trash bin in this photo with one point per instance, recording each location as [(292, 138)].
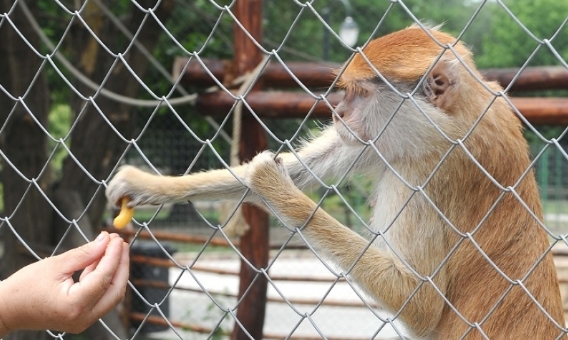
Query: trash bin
[(147, 273)]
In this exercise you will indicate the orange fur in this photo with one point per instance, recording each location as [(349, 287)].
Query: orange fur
[(384, 53)]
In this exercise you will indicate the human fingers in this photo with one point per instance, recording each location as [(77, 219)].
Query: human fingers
[(115, 292), (83, 256), (92, 286), (94, 265)]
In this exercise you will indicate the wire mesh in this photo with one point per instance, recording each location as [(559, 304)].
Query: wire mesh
[(93, 90)]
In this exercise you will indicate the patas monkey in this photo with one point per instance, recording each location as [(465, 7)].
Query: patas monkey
[(459, 252)]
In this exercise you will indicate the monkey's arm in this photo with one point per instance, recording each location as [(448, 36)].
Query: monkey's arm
[(382, 274), (145, 188), (327, 157), (323, 156)]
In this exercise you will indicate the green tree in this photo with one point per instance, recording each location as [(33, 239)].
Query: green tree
[(302, 30), (516, 30)]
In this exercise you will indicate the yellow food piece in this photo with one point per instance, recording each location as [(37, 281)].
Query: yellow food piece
[(125, 214)]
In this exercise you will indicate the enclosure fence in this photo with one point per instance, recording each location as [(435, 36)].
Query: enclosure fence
[(178, 87)]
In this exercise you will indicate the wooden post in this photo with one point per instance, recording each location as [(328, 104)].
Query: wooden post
[(254, 244)]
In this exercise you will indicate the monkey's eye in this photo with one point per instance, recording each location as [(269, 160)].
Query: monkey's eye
[(363, 92), (377, 81)]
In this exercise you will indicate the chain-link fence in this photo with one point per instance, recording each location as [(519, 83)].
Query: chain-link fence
[(86, 86)]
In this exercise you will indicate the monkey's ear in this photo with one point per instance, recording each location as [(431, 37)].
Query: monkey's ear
[(441, 85)]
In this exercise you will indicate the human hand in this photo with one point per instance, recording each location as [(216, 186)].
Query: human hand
[(43, 295)]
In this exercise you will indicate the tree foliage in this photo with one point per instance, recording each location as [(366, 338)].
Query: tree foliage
[(517, 29)]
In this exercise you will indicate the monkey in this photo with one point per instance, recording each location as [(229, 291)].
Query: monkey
[(458, 249)]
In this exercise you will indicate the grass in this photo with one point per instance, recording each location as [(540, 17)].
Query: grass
[(557, 223), (555, 206)]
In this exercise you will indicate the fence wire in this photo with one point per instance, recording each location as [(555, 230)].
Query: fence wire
[(87, 86)]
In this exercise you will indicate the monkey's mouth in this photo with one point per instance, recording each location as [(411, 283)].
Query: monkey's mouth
[(346, 135), (335, 118)]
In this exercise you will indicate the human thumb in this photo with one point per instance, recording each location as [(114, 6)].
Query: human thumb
[(81, 257)]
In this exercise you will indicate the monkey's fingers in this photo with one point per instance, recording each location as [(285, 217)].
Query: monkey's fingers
[(125, 214)]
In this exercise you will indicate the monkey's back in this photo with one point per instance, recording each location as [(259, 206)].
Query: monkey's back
[(505, 284)]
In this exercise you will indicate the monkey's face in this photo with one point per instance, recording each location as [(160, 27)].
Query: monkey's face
[(350, 114), (397, 117), (401, 90)]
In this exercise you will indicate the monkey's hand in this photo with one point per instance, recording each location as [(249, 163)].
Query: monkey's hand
[(136, 185), (268, 177)]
